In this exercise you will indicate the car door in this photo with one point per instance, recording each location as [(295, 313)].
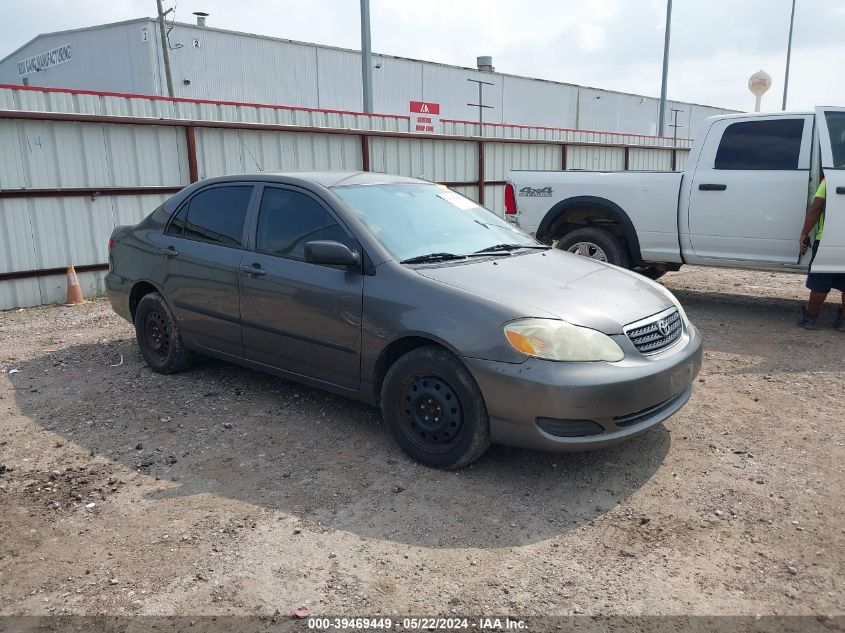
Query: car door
[(750, 190), (831, 254), (203, 248), (300, 317)]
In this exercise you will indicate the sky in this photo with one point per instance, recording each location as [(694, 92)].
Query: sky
[(612, 44)]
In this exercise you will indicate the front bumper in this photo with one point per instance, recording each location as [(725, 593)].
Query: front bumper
[(623, 399)]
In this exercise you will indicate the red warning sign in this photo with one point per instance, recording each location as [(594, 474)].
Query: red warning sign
[(425, 117), (425, 107)]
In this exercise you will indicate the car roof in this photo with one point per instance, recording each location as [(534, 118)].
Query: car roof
[(328, 179)]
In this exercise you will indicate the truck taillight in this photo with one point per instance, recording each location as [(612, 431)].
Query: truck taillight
[(111, 244), (510, 200)]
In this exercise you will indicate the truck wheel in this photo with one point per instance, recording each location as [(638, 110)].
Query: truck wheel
[(158, 336), (596, 243), (434, 409)]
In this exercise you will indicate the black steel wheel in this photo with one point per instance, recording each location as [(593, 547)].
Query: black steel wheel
[(434, 409), (158, 336), (433, 416)]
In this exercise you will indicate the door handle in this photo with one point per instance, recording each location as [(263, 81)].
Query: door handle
[(840, 190), (708, 186), (167, 252), (255, 269)]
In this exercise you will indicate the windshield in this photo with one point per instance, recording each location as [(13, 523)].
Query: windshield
[(411, 220)]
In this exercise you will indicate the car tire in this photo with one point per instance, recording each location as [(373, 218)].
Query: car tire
[(434, 409), (158, 336), (598, 244)]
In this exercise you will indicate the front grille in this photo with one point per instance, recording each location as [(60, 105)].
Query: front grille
[(657, 332)]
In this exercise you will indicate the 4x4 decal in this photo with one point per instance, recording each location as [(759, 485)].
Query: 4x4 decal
[(531, 192)]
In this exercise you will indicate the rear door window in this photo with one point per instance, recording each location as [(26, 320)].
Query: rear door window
[(288, 220), (215, 215), (773, 144), (836, 129)]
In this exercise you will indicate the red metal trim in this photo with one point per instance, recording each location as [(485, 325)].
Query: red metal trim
[(191, 136), (129, 95), (480, 171), (458, 183), (46, 272), (365, 152), (85, 192), (273, 127)]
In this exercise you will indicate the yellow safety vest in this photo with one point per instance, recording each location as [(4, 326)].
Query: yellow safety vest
[(821, 193)]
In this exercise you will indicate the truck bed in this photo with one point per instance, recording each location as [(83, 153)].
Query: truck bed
[(650, 199)]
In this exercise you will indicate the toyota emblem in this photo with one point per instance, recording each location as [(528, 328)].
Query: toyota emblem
[(663, 327)]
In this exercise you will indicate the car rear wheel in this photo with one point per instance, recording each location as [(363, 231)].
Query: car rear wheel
[(596, 243), (158, 335), (434, 409)]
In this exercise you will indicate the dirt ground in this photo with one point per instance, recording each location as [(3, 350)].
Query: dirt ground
[(224, 491)]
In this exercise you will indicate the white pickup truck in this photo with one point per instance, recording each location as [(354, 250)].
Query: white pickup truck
[(740, 203)]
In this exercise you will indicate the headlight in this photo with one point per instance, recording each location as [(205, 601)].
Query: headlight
[(558, 340)]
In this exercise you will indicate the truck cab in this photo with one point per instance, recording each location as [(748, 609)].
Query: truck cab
[(740, 202)]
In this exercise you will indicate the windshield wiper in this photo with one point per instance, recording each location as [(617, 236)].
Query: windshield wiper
[(498, 248), (432, 257)]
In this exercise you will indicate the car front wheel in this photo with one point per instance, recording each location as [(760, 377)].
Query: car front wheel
[(434, 409), (158, 335)]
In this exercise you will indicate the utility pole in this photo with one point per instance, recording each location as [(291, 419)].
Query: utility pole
[(165, 47), (480, 105), (661, 113), (366, 56), (788, 55)]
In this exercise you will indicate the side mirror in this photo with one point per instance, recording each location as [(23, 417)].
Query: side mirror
[(329, 253)]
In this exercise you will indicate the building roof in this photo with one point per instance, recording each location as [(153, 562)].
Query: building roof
[(346, 50)]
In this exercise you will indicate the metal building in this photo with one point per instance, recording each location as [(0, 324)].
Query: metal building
[(217, 64)]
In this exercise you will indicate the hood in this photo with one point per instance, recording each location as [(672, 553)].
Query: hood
[(555, 284)]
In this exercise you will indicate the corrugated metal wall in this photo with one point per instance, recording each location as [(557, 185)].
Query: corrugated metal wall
[(596, 158), (39, 233), (431, 160), (650, 159), (159, 108)]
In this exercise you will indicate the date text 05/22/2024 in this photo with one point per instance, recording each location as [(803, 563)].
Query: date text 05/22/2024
[(417, 623)]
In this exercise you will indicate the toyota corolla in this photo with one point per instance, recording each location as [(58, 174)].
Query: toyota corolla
[(409, 296)]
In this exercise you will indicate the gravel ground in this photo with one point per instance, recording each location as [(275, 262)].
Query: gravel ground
[(224, 491)]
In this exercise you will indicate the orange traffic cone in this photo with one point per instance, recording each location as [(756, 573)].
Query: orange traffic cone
[(74, 290)]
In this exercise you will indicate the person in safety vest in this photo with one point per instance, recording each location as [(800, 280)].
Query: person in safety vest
[(820, 284)]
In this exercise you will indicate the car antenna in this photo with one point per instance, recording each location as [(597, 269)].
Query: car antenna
[(250, 154)]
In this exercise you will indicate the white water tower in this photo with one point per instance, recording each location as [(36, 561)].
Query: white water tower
[(758, 84)]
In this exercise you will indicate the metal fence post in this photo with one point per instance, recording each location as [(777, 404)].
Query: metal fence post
[(191, 135)]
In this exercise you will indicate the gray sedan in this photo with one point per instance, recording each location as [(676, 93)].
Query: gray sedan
[(411, 297)]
